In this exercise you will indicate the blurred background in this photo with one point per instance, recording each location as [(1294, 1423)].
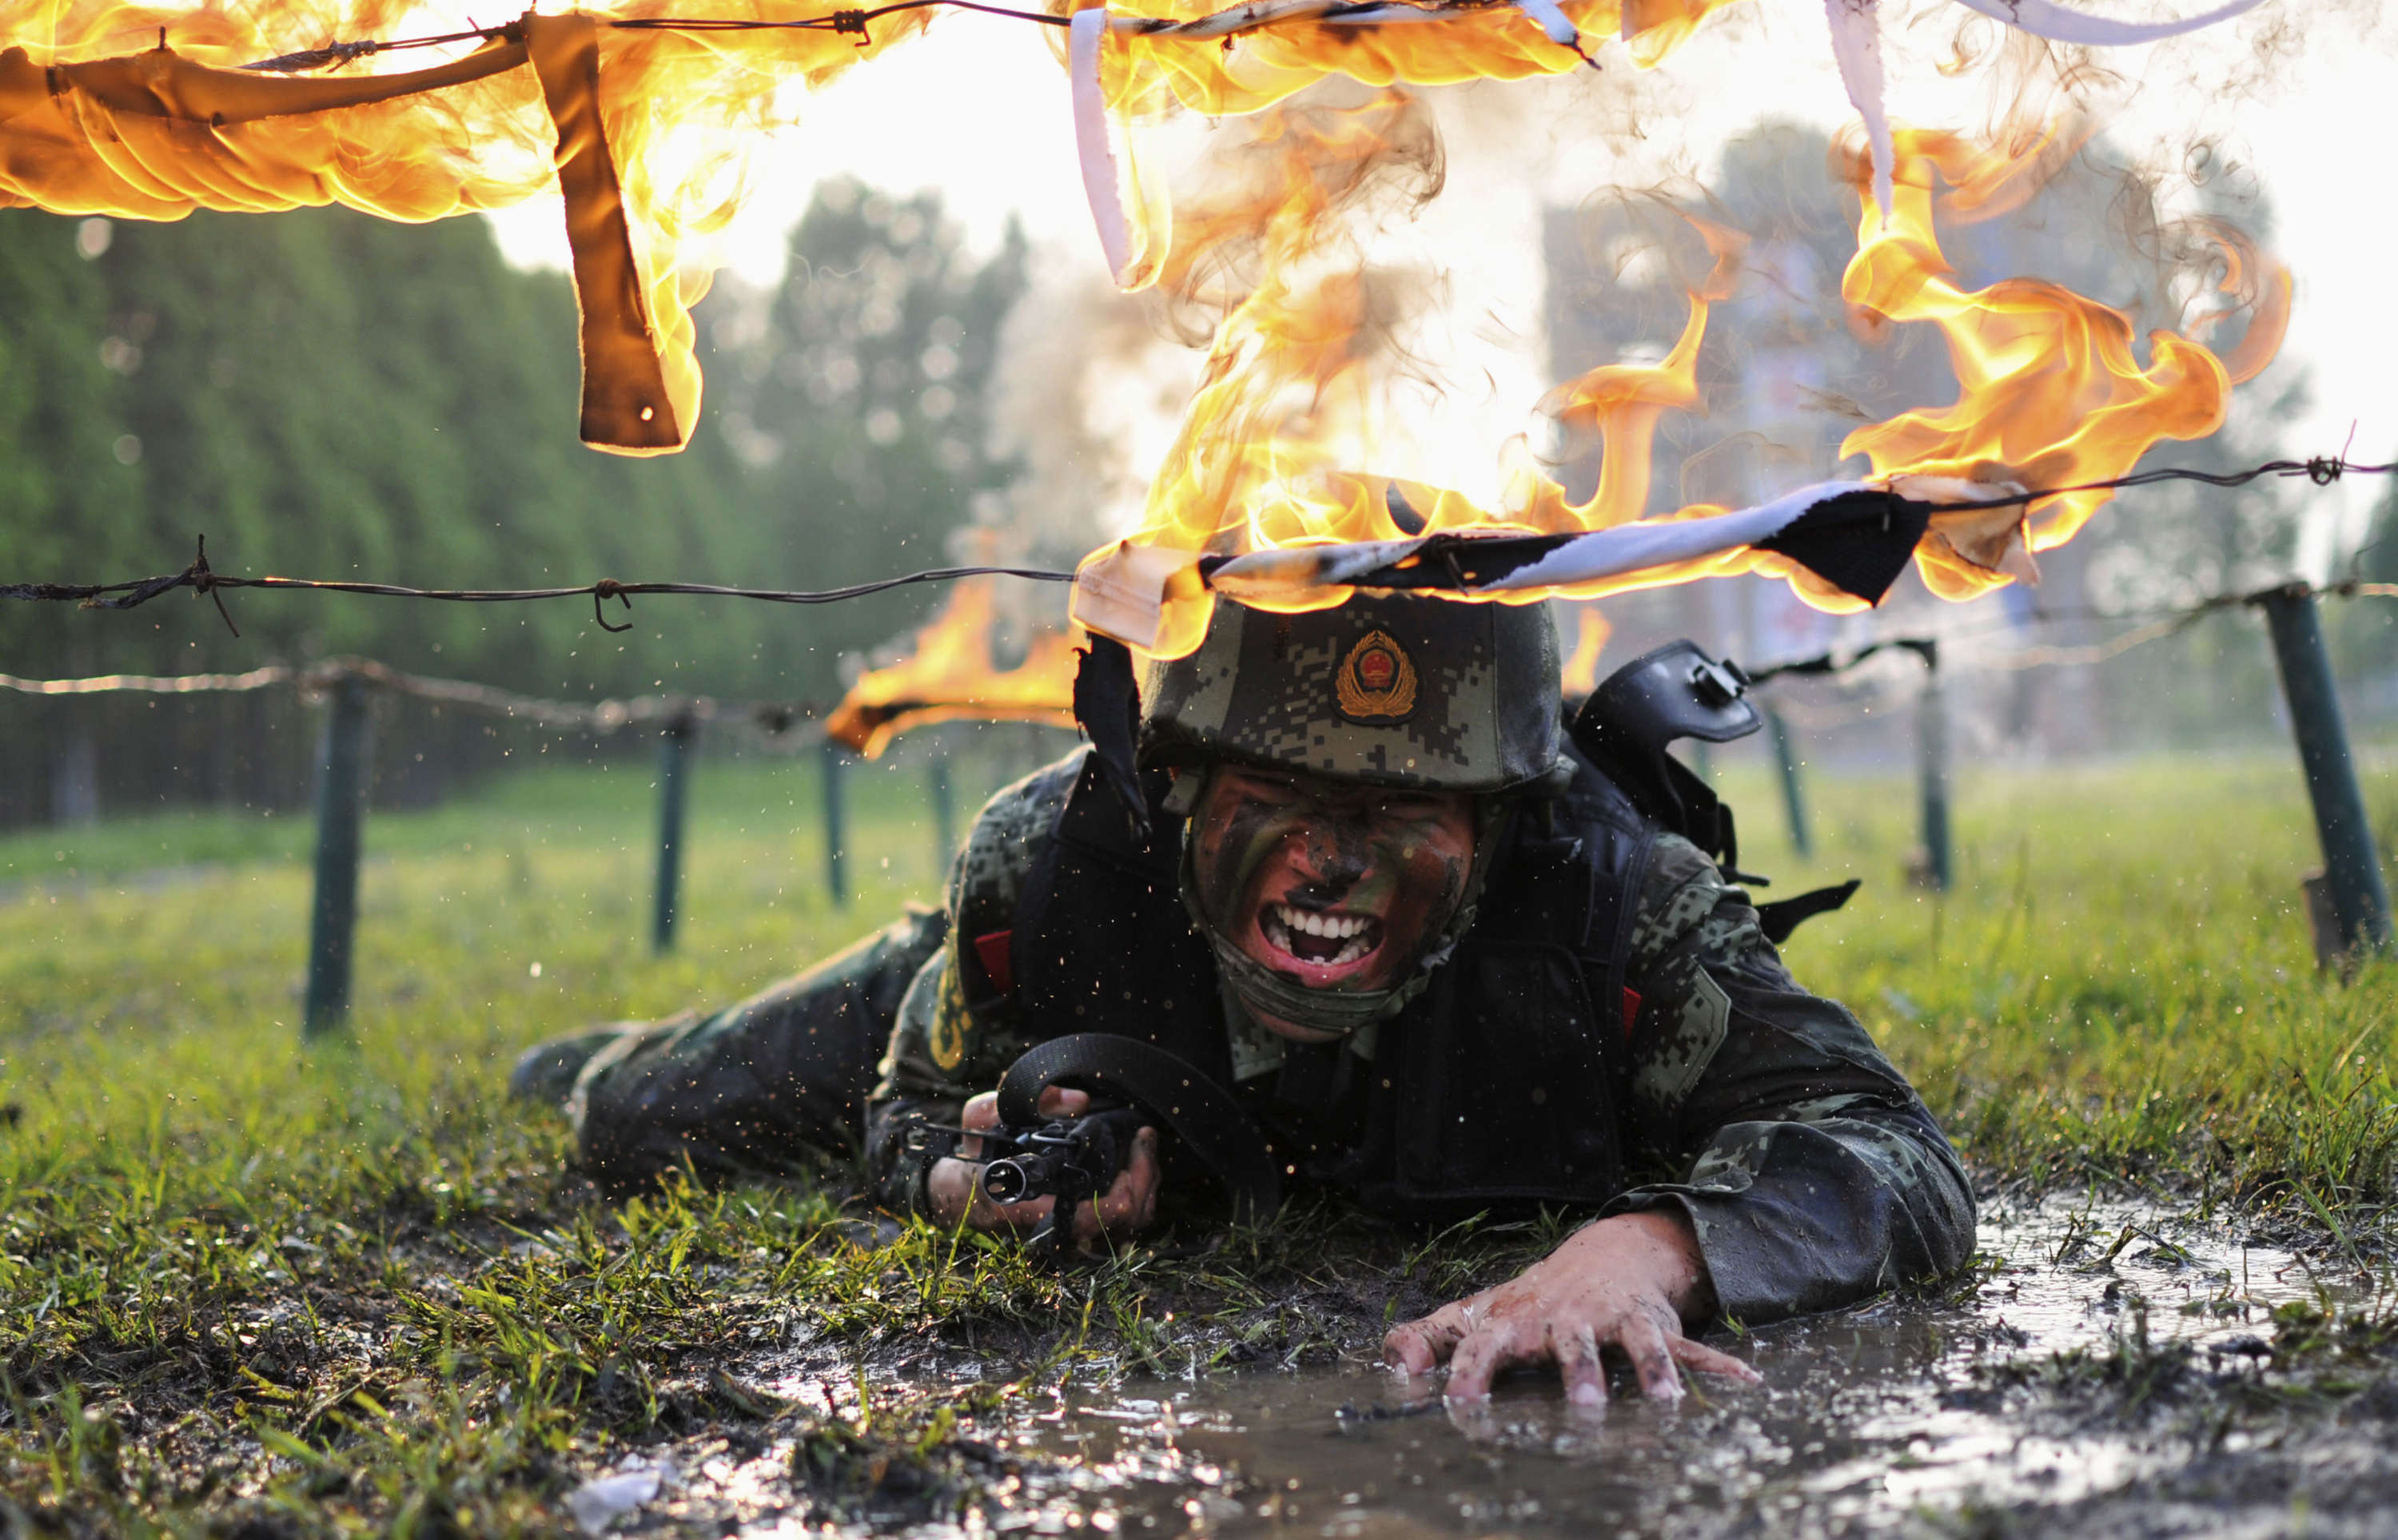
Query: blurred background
[(912, 358)]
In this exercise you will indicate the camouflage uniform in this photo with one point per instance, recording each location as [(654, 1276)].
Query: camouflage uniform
[(1809, 1170)]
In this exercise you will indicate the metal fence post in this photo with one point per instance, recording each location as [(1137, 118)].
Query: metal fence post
[(674, 766), (2359, 904), (835, 826), (945, 816), (1794, 793), (1932, 771), (341, 764)]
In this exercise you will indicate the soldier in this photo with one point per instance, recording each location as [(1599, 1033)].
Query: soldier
[(1445, 962)]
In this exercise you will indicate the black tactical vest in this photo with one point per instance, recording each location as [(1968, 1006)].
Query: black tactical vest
[(1495, 1088)]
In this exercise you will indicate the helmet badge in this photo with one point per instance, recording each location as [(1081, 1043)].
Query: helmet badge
[(1376, 682)]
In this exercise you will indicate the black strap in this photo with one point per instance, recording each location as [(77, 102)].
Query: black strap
[(1779, 918), (1107, 707), (1197, 1111)]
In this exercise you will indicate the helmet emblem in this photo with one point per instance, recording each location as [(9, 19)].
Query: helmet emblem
[(1377, 681)]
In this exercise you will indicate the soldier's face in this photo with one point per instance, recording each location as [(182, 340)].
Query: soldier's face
[(1332, 885)]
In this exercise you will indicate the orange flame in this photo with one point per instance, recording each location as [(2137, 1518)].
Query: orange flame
[(141, 110), (951, 677), (2051, 393), (1257, 69), (1580, 671)]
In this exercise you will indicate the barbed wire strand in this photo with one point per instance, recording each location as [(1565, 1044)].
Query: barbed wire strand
[(1929, 648), (201, 579), (792, 723), (778, 723), (153, 684), (1231, 22)]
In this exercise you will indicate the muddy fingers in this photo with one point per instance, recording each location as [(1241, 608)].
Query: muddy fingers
[(1491, 1348), (1653, 1361), (1578, 1362), (1421, 1347)]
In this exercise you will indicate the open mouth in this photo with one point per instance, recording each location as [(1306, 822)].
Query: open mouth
[(1321, 942)]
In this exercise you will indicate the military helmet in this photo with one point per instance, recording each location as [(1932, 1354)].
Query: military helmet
[(1392, 690)]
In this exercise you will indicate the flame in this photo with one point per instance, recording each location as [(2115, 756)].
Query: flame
[(1580, 672), (126, 128), (950, 676), (141, 110), (1254, 70), (1288, 396), (2051, 393)]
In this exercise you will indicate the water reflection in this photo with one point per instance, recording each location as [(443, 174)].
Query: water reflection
[(1901, 1417), (1867, 1422)]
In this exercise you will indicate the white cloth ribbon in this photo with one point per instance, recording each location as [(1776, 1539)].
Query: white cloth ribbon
[(1554, 21), (2046, 19), (1600, 554), (1634, 547), (1101, 183), (1856, 46)]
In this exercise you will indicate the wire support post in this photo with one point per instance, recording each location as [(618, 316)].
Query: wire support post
[(342, 765), (836, 821), (1938, 871), (674, 773), (2359, 901), (945, 814), (1793, 791)]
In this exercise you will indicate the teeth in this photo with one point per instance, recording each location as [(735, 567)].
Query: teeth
[(1349, 928)]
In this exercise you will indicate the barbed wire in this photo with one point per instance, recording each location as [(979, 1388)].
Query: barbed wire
[(152, 683), (1928, 649), (788, 724), (203, 580), (775, 723), (1251, 16)]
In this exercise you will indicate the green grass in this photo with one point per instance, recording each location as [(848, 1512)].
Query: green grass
[(344, 1288), (2122, 983)]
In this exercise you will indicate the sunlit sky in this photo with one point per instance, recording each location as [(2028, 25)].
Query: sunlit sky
[(978, 109)]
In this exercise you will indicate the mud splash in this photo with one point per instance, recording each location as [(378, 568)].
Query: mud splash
[(2109, 1370)]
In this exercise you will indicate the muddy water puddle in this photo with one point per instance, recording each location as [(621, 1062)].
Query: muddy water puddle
[(1901, 1417)]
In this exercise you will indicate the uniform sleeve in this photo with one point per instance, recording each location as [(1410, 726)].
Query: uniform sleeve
[(957, 1030), (1811, 1172)]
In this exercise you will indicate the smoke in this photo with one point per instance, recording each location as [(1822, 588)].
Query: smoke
[(1084, 396)]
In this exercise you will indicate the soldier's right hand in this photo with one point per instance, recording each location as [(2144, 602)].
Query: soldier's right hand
[(954, 1185)]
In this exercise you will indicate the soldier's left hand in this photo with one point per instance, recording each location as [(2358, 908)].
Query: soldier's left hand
[(1625, 1283)]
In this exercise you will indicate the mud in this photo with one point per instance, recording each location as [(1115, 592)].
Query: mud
[(2109, 1371)]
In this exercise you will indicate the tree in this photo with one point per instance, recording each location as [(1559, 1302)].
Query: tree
[(328, 394)]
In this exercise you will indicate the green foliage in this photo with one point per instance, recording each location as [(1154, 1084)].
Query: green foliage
[(326, 394)]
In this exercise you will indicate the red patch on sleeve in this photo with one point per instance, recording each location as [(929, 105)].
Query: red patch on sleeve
[(1631, 1007), (991, 947)]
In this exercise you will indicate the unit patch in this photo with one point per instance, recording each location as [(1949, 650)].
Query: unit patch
[(1376, 682)]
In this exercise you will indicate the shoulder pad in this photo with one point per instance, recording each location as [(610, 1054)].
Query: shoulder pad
[(1626, 726), (1675, 692)]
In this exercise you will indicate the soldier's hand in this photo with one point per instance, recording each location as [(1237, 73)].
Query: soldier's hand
[(1625, 1283), (954, 1185)]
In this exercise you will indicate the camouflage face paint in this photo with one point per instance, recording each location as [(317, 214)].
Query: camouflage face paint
[(1332, 885)]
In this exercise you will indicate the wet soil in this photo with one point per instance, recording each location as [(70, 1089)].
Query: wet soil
[(2112, 1370)]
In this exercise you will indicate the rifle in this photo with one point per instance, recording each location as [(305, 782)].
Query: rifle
[(1064, 1156), (1133, 1086)]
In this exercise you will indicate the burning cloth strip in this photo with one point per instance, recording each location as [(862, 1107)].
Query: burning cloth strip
[(153, 134), (1854, 535)]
